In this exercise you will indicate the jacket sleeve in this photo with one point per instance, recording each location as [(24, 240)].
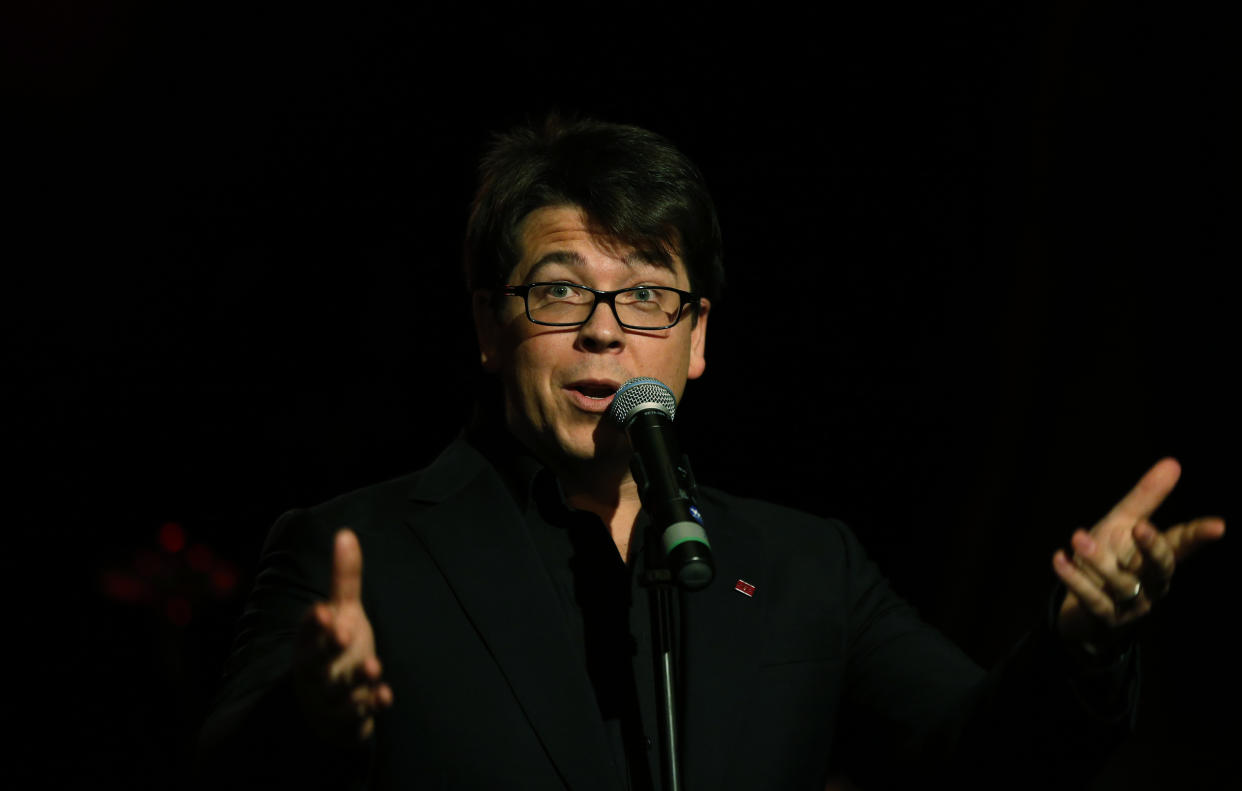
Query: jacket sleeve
[(916, 707), (255, 735)]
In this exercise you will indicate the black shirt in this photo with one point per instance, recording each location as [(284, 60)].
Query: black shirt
[(605, 603)]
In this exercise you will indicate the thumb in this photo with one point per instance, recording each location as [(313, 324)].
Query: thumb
[(346, 568)]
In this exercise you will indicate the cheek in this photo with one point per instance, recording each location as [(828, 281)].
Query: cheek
[(673, 369), (529, 376)]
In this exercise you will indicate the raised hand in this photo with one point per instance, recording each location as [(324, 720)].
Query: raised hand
[(1124, 564), (336, 674)]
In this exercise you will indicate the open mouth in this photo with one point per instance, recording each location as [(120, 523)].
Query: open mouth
[(595, 391)]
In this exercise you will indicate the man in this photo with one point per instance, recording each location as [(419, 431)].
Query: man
[(500, 635)]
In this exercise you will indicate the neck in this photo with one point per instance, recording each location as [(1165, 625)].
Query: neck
[(606, 489), (602, 486)]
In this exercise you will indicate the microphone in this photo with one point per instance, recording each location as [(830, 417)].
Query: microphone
[(644, 409)]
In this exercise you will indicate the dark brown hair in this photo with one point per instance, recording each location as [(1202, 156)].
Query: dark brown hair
[(635, 187)]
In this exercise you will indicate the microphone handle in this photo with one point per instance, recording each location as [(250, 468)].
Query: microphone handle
[(666, 488)]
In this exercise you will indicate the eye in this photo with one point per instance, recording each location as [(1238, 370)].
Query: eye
[(549, 294), (647, 298)]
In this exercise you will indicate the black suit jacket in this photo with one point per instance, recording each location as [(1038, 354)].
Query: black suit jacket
[(823, 664)]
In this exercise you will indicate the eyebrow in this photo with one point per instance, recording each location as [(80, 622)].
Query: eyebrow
[(571, 258)]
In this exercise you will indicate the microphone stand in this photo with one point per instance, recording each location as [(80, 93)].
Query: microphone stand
[(677, 550), (659, 580)]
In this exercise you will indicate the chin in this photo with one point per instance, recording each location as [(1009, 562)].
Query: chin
[(588, 446)]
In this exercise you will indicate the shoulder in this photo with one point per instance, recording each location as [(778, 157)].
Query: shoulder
[(376, 508), (788, 547), (772, 523)]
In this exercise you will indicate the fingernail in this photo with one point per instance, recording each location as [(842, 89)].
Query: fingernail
[(1084, 542)]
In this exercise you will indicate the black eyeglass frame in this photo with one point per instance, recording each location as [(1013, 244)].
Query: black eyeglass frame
[(607, 297)]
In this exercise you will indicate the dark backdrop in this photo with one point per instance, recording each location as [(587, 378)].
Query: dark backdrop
[(990, 244)]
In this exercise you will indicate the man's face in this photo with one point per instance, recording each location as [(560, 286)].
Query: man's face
[(558, 381)]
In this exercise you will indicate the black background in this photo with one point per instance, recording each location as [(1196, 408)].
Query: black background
[(997, 241)]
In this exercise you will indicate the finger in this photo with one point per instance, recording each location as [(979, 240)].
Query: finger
[(363, 698), (1087, 570), (348, 673), (1186, 538), (1093, 599), (346, 568), (1156, 560), (359, 671), (1125, 588), (1148, 493), (325, 630), (1086, 550), (371, 669), (363, 704), (317, 637), (343, 632), (1129, 554), (346, 702), (383, 696), (318, 621), (1122, 587), (362, 684)]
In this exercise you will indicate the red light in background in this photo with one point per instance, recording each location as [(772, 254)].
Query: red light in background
[(172, 537), (172, 579), (223, 580)]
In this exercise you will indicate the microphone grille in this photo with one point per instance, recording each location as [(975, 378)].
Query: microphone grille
[(641, 393)]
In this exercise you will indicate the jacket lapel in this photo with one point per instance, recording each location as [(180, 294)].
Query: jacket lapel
[(477, 537), (722, 653)]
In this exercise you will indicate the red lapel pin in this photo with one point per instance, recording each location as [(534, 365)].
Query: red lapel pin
[(744, 588)]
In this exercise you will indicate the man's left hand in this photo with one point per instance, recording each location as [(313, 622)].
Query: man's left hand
[(1124, 564)]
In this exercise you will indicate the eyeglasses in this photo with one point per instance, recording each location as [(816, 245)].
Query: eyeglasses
[(569, 304)]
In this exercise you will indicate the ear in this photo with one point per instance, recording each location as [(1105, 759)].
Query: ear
[(698, 341), (487, 329)]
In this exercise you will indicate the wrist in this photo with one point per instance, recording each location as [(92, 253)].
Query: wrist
[(1091, 642)]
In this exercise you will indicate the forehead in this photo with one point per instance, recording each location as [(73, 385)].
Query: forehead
[(562, 236)]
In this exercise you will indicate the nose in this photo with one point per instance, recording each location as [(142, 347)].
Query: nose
[(601, 332)]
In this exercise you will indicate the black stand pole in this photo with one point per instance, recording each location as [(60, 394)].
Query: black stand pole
[(660, 582)]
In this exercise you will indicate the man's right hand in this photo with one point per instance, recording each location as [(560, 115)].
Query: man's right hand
[(336, 673)]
